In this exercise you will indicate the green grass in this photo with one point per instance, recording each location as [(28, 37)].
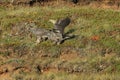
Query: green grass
[(64, 76), (86, 23)]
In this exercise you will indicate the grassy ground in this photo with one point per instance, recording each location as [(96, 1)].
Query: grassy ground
[(92, 55)]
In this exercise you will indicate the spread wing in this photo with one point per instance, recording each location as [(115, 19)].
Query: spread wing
[(61, 24)]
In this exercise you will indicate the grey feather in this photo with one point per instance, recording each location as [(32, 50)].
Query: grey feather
[(61, 24)]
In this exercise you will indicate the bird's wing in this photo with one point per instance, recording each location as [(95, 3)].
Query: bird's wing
[(61, 24)]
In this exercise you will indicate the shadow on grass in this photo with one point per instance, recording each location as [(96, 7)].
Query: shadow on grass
[(70, 31), (68, 35)]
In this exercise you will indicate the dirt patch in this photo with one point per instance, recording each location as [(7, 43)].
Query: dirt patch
[(7, 70), (68, 56), (5, 77)]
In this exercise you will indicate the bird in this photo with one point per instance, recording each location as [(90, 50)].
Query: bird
[(56, 34), (45, 34), (60, 24)]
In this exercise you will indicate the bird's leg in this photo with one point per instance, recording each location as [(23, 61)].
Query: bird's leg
[(58, 42)]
